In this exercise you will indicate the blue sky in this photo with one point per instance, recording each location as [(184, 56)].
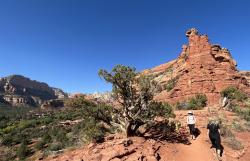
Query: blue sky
[(66, 42)]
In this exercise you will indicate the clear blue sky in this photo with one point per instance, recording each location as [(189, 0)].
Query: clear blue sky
[(66, 42)]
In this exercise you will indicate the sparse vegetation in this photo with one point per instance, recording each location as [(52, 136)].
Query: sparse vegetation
[(195, 103), (239, 102), (234, 93), (23, 151), (46, 129), (198, 102), (228, 135), (171, 83), (233, 143), (236, 125), (226, 131)]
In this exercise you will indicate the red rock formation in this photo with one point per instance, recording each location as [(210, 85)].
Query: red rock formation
[(201, 68), (246, 74)]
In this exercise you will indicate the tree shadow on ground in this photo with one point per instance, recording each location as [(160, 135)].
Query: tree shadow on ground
[(163, 131)]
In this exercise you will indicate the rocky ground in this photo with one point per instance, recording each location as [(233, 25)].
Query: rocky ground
[(118, 148)]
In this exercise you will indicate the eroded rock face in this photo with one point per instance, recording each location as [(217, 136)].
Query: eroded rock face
[(19, 90), (201, 68), (246, 74)]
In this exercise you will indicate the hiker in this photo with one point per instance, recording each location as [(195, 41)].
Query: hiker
[(191, 123), (214, 135)]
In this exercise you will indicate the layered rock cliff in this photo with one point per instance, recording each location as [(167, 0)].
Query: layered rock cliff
[(201, 68), (19, 90), (246, 74)]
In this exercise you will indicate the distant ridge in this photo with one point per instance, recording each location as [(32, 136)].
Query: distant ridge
[(18, 90)]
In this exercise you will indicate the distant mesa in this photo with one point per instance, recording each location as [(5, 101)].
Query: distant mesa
[(18, 90), (201, 67)]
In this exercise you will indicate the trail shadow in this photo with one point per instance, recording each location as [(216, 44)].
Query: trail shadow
[(221, 150), (164, 131), (197, 132)]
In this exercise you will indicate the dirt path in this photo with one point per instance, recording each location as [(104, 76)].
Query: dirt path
[(199, 149)]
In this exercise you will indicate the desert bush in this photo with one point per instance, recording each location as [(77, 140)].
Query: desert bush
[(158, 109), (247, 126), (3, 122), (229, 137), (99, 112), (45, 140), (234, 93), (7, 140), (181, 106), (55, 146), (233, 143), (23, 151), (237, 126), (8, 154), (78, 102), (40, 145), (225, 131), (197, 102), (90, 130), (46, 120), (245, 114), (171, 84), (27, 124)]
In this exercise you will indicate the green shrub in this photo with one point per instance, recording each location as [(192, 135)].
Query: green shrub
[(40, 145), (47, 120), (158, 109), (226, 131), (23, 151), (171, 84), (230, 139), (93, 131), (197, 102), (234, 93), (45, 140), (245, 114), (234, 143), (182, 106), (27, 124), (237, 126), (55, 146), (7, 140)]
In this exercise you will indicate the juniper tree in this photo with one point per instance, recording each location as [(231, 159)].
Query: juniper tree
[(134, 92)]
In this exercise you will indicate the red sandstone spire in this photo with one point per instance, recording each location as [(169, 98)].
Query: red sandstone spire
[(201, 68)]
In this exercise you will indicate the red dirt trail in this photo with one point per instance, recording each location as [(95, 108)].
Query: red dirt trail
[(148, 150)]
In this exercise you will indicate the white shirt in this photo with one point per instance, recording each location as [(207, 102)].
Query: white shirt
[(191, 119)]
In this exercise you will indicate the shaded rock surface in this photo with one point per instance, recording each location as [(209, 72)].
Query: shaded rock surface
[(201, 67), (18, 90), (246, 74)]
